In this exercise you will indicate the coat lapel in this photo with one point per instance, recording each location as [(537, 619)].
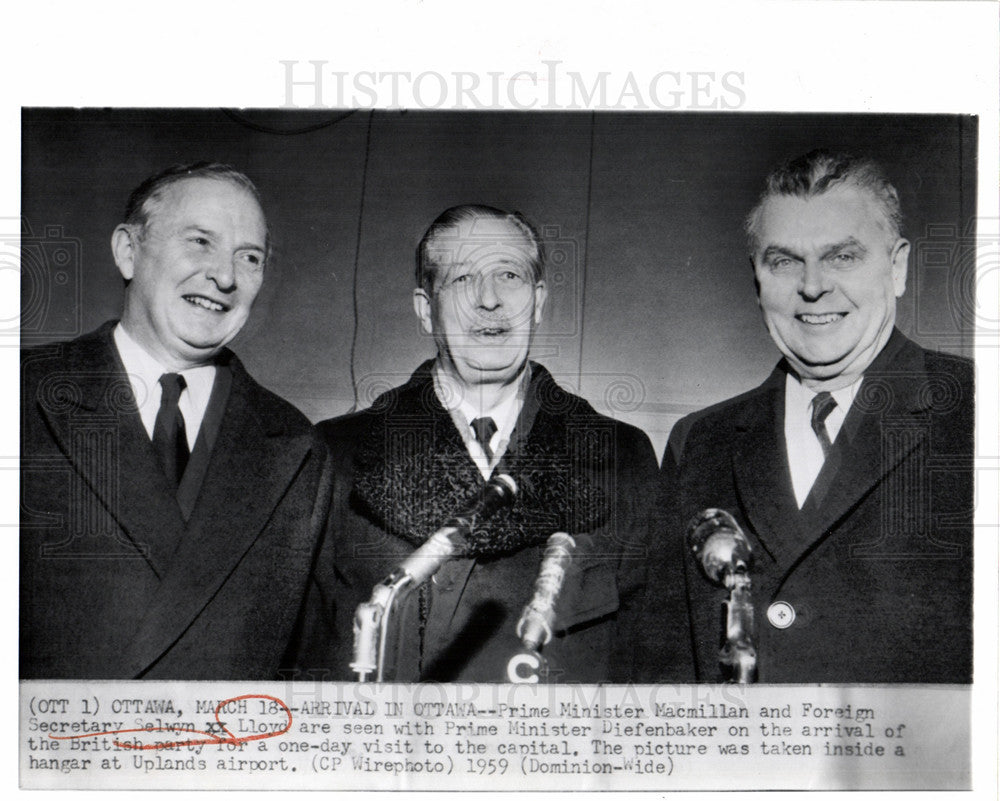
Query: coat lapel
[(883, 427), (251, 467), (197, 467), (96, 423), (760, 470)]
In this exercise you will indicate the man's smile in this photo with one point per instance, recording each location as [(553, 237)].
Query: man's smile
[(206, 303), (821, 319)]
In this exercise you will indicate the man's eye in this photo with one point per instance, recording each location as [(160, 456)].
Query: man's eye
[(252, 259), (781, 264), (842, 261), (510, 278), (200, 241), (460, 279)]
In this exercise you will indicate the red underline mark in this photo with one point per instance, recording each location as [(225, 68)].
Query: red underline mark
[(212, 739)]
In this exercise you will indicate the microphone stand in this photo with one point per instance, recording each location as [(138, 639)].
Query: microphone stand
[(723, 552), (372, 619), (738, 656), (371, 629)]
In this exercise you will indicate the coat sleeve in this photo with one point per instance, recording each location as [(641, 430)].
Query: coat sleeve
[(664, 652), (316, 647)]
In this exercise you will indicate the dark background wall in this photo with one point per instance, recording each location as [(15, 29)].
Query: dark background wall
[(652, 311)]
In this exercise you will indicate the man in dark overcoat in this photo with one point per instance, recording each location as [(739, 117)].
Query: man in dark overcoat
[(849, 469), (424, 450), (171, 506)]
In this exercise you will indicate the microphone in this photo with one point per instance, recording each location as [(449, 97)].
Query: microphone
[(723, 553), (424, 562), (371, 619), (719, 546), (535, 626)]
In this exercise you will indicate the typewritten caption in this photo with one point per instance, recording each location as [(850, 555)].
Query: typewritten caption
[(272, 735)]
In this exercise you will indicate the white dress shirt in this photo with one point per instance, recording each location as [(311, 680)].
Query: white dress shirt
[(805, 454), (144, 375), (461, 403)]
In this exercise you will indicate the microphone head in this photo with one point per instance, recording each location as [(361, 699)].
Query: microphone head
[(504, 484), (719, 545), (499, 491)]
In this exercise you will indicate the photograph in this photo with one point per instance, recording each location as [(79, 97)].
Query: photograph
[(418, 413), (634, 319)]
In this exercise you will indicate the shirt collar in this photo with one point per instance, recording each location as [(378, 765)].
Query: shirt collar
[(460, 402), (801, 396), (144, 371)]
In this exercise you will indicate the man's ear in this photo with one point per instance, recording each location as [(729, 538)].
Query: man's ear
[(541, 295), (123, 247), (899, 256), (422, 308)]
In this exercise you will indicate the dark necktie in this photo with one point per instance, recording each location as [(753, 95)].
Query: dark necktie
[(485, 428), (169, 436), (822, 405)]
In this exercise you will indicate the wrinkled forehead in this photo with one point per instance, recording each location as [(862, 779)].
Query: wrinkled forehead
[(203, 196), (480, 244), (840, 213)]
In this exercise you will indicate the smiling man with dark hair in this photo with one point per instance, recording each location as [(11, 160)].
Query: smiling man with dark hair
[(171, 505), (850, 468)]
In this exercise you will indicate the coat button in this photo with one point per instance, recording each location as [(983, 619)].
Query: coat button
[(781, 614)]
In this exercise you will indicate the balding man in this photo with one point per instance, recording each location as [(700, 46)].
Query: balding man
[(172, 506)]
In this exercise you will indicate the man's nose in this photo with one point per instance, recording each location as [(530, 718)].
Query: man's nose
[(486, 288), (814, 281), (222, 270)]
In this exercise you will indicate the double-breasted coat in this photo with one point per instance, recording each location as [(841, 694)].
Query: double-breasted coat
[(123, 578)]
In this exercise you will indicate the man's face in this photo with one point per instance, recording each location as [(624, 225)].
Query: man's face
[(485, 303), (195, 272), (828, 274)]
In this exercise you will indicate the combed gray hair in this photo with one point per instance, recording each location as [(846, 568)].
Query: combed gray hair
[(451, 218), (144, 197), (819, 170)]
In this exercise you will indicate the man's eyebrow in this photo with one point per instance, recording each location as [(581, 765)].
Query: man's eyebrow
[(848, 244), (197, 229), (483, 264), (828, 250), (208, 232), (454, 266), (778, 250)]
